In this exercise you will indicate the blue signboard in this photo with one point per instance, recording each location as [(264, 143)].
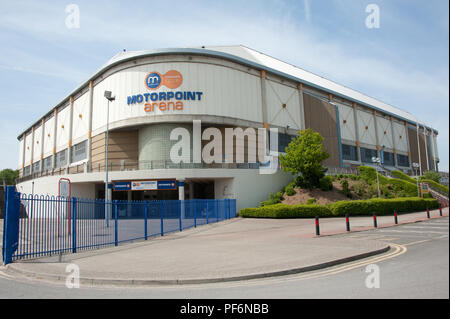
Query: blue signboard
[(122, 186), (128, 186), (170, 185)]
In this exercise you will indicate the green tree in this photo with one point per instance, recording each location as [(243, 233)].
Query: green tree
[(9, 176), (304, 155), (434, 176)]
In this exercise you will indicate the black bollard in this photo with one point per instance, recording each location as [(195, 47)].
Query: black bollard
[(317, 226)]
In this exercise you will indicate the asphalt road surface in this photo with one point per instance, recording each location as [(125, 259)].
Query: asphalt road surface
[(417, 266)]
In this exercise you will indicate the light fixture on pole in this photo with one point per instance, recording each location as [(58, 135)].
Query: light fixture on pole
[(110, 98), (377, 161), (416, 168)]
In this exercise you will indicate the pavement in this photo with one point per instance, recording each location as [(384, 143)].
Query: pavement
[(232, 250)]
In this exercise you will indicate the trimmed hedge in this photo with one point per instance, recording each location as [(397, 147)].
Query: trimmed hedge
[(286, 211), (403, 176), (383, 206), (353, 208)]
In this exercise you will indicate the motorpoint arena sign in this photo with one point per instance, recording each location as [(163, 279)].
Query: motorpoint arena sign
[(167, 100)]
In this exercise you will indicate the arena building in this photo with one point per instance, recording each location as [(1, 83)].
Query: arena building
[(156, 92)]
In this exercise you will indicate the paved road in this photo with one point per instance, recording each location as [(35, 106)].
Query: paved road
[(417, 267)]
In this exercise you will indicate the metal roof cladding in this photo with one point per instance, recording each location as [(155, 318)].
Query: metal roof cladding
[(258, 60)]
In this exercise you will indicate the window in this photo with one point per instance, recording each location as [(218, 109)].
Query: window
[(388, 159), (349, 152), (367, 154), (61, 158), (27, 170), (78, 152), (36, 166), (48, 163), (283, 141), (403, 160)]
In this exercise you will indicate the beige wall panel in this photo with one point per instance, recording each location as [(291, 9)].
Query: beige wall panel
[(401, 141), (37, 144), (384, 129), (28, 147), (347, 122), (62, 129), (277, 95), (321, 117), (19, 164), (80, 119), (366, 127), (48, 136)]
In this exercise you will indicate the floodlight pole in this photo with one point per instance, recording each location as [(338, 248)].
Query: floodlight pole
[(109, 97)]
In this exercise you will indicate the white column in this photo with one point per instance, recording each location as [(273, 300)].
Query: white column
[(434, 150), (418, 149), (426, 147), (24, 147), (393, 141), (42, 145), (376, 133), (55, 132), (32, 150), (302, 106), (357, 143), (69, 146), (89, 141), (181, 196)]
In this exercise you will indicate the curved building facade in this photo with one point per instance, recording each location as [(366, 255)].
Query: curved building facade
[(162, 95)]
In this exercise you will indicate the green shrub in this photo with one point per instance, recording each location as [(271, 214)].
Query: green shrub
[(382, 206), (286, 211), (310, 201), (345, 188), (274, 198), (434, 176), (353, 208), (403, 176), (368, 174), (289, 190), (326, 183)]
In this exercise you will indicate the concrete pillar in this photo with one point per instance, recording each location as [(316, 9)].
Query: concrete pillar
[(55, 128), (426, 147), (376, 133), (263, 97), (357, 143), (393, 141), (264, 107), (24, 147), (41, 166), (181, 196), (302, 106), (89, 141), (433, 150), (32, 150), (418, 149), (408, 146), (69, 146)]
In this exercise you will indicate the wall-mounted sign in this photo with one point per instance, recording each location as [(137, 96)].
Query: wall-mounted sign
[(169, 185), (144, 185), (164, 101), (122, 186)]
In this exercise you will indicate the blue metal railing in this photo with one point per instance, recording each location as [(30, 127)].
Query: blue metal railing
[(53, 225)]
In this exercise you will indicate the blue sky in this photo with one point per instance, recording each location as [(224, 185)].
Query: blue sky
[(403, 63)]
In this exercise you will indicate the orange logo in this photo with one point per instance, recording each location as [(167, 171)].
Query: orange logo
[(172, 79)]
